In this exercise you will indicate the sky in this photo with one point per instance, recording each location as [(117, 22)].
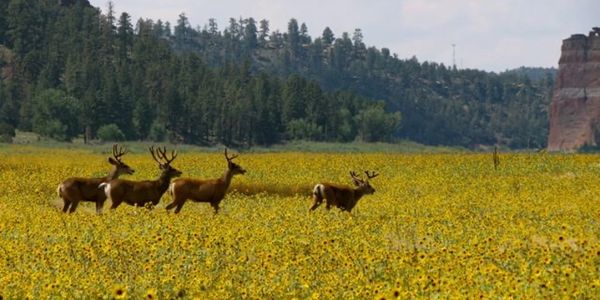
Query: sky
[(491, 35)]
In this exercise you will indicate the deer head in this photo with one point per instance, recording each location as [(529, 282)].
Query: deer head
[(233, 167), (164, 163), (115, 160), (364, 185)]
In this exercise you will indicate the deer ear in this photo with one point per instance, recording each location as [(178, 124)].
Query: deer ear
[(356, 182), (112, 161)]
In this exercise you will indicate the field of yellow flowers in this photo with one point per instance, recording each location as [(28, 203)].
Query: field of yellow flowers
[(439, 225)]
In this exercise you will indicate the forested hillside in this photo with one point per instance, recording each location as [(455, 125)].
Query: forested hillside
[(68, 69), (439, 104)]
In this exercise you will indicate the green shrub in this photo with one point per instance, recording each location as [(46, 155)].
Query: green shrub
[(110, 133), (158, 132), (7, 132)]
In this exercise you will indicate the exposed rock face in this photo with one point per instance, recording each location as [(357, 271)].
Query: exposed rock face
[(575, 107)]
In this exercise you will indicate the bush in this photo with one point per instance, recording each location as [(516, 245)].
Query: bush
[(375, 125), (300, 129), (55, 115), (110, 133), (158, 132), (7, 132)]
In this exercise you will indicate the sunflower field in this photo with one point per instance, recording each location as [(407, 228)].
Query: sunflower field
[(438, 226)]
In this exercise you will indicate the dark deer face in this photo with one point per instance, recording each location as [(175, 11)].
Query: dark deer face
[(164, 162), (364, 185), (122, 168), (115, 160), (169, 171), (233, 167)]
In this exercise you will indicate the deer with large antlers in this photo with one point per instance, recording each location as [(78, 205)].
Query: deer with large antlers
[(139, 193), (341, 196), (77, 189), (211, 190)]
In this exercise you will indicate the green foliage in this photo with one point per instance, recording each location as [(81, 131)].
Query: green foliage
[(158, 133), (55, 115), (301, 129), (7, 132), (375, 125), (245, 85), (110, 133)]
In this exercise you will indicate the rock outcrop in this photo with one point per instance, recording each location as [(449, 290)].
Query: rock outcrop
[(575, 107)]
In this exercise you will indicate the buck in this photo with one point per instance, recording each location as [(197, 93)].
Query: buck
[(139, 193), (77, 189), (210, 190), (341, 196)]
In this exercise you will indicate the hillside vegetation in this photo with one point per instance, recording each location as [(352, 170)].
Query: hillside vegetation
[(69, 70)]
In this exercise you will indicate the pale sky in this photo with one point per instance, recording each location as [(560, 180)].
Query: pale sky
[(492, 35)]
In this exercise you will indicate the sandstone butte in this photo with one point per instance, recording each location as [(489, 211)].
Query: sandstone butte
[(575, 107)]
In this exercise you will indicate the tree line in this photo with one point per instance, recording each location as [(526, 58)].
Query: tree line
[(68, 69), (439, 104)]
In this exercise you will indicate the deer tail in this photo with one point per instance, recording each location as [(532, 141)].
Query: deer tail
[(59, 190), (171, 187), (106, 187), (318, 191)]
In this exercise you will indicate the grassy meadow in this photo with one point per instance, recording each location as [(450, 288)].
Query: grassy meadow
[(438, 226)]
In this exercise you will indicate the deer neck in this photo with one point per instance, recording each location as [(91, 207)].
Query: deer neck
[(358, 193), (113, 174), (226, 178), (163, 182)]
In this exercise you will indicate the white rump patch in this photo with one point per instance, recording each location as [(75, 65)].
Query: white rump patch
[(106, 187), (59, 190), (318, 190), (171, 188)]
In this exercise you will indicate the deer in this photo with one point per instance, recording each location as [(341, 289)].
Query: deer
[(207, 190), (140, 193), (342, 196), (76, 189)]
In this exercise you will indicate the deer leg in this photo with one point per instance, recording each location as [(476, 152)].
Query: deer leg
[(149, 205), (317, 200), (67, 204), (215, 205), (179, 206), (115, 204), (175, 202), (171, 205), (74, 206), (99, 206)]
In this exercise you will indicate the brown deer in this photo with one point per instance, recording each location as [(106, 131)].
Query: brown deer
[(342, 196), (77, 189), (210, 190), (139, 193)]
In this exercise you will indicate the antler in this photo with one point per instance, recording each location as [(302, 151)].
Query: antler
[(372, 175), (161, 154), (355, 176), (154, 156), (229, 158), (118, 151)]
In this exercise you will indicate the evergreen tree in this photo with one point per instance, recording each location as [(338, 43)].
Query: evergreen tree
[(264, 32)]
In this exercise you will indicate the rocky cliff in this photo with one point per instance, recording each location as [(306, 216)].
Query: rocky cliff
[(575, 107)]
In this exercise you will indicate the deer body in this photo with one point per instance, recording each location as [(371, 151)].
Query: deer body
[(139, 193), (76, 189), (342, 196), (136, 193), (198, 190)]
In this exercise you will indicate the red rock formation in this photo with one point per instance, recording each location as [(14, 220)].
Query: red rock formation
[(575, 107)]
